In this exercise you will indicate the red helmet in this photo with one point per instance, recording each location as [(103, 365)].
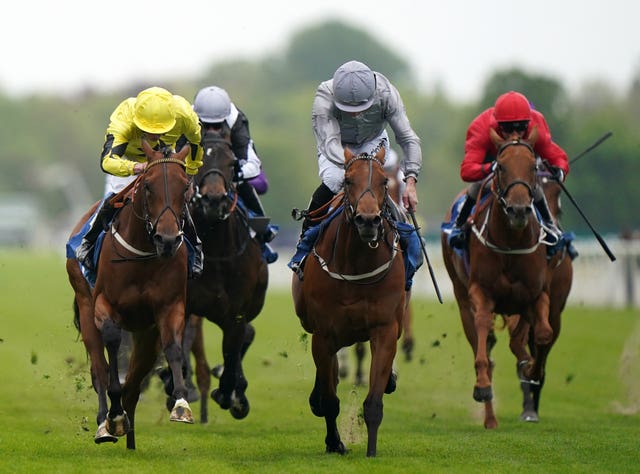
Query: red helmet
[(512, 107)]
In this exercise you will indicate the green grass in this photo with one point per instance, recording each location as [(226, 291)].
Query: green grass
[(589, 409)]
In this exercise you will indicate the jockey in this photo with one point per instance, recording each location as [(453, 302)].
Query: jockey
[(352, 110), (161, 119), (512, 118), (213, 107)]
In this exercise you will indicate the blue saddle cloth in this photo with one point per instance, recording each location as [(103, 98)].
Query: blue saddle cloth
[(409, 243), (90, 275)]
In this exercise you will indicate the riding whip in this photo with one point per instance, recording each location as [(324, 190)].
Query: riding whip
[(595, 144), (595, 233), (426, 257)]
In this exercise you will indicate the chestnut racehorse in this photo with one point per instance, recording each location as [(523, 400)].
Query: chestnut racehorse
[(141, 287), (353, 290), (506, 272)]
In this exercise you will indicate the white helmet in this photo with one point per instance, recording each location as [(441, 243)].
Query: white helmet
[(212, 104)]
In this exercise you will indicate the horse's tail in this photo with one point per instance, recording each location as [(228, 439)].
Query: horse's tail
[(76, 315)]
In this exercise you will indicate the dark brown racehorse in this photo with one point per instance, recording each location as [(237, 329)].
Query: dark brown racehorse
[(232, 288), (140, 287), (507, 273), (353, 291)]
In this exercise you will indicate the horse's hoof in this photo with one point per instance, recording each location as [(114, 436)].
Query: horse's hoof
[(338, 448), (181, 412), (103, 436), (482, 394), (239, 407), (529, 416), (217, 371), (218, 397), (119, 425), (391, 383)]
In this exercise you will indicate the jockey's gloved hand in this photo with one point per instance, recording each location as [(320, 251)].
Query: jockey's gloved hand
[(237, 171), (557, 174)]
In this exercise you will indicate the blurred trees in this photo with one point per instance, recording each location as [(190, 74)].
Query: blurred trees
[(277, 92)]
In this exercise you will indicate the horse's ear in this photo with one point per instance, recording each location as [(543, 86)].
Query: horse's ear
[(495, 138), (182, 154), (148, 150), (533, 136), (348, 155)]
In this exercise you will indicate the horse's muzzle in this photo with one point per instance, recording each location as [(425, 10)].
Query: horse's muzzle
[(368, 226), (518, 215), (167, 245)]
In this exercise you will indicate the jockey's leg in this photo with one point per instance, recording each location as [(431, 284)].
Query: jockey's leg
[(540, 201), (321, 196), (192, 236), (265, 235), (84, 252), (458, 236)]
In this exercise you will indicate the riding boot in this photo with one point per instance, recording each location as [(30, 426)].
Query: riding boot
[(84, 252), (198, 255), (552, 231), (458, 236), (321, 196), (260, 224)]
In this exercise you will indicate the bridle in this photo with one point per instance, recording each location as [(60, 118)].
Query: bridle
[(228, 183), (498, 190), (150, 226)]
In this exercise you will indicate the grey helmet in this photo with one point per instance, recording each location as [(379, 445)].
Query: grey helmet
[(354, 87), (212, 104)]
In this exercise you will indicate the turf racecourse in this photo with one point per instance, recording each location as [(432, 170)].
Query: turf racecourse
[(589, 411)]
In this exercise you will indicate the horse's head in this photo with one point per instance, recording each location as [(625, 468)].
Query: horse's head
[(163, 187), (215, 177), (515, 177), (365, 191)]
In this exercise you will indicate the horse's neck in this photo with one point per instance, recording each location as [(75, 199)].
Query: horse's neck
[(129, 223), (223, 237)]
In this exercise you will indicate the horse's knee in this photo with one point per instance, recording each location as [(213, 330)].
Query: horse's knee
[(111, 335)]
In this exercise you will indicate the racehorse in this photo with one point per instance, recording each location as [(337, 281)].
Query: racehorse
[(395, 188), (231, 291), (353, 290), (140, 287), (506, 272), (531, 365)]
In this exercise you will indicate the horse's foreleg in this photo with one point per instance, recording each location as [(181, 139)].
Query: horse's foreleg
[(171, 327), (407, 337), (383, 351), (117, 422), (543, 333), (203, 373), (324, 400)]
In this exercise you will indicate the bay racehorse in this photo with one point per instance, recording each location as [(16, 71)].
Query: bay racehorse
[(231, 291), (506, 272), (140, 287), (353, 290)]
